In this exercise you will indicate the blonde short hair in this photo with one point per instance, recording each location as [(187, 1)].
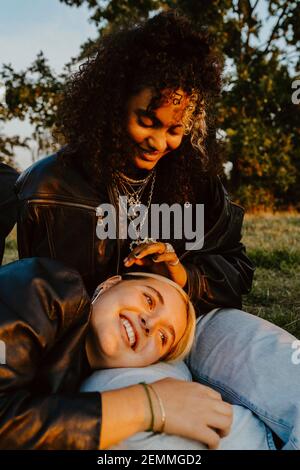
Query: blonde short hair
[(183, 347)]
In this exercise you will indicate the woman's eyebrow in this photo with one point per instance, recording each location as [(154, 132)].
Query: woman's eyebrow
[(158, 294), (151, 115)]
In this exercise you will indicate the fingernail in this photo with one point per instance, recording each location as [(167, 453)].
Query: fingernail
[(125, 260)]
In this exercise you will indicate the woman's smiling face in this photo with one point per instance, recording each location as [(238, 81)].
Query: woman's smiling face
[(135, 323), (155, 132)]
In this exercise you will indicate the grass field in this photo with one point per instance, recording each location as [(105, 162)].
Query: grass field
[(273, 243)]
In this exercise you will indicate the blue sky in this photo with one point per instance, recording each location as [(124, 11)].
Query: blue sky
[(29, 26)]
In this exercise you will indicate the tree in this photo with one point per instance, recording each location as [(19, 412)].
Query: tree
[(258, 120), (32, 94)]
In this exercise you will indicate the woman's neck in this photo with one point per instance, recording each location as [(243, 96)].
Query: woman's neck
[(135, 173)]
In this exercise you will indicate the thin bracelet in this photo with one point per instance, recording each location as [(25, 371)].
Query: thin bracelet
[(151, 406), (162, 410)]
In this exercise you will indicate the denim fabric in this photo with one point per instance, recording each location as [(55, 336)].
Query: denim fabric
[(250, 362), (247, 432)]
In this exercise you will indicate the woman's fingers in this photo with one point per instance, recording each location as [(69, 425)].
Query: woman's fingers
[(195, 411), (148, 249), (210, 392), (144, 250), (219, 421), (225, 432), (139, 262), (224, 408), (165, 258), (208, 437)]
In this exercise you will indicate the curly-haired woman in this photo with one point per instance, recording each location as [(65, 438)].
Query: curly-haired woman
[(138, 121)]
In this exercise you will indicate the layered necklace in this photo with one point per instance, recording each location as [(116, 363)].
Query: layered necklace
[(133, 189)]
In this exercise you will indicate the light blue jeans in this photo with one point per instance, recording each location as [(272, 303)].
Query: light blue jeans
[(252, 363), (249, 361)]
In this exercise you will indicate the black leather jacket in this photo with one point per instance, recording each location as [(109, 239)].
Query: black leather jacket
[(44, 313), (57, 219), (8, 203)]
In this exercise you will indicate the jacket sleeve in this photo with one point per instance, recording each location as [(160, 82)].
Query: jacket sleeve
[(40, 300), (8, 203), (221, 272), (32, 231), (32, 225)]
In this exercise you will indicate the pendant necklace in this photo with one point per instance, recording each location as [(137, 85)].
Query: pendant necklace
[(133, 190)]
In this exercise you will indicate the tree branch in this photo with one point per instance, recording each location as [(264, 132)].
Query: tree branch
[(276, 27), (254, 6), (251, 11)]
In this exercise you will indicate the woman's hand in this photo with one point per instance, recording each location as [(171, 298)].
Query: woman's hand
[(158, 260), (192, 410)]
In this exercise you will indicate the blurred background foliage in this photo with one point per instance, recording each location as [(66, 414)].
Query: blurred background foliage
[(257, 119)]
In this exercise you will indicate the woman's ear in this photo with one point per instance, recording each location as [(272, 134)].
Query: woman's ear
[(111, 281), (105, 285)]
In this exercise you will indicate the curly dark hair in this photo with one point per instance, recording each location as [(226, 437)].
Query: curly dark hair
[(164, 52)]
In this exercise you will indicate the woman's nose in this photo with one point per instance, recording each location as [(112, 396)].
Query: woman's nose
[(158, 142), (148, 324)]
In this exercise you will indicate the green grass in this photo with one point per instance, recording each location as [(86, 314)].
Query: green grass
[(273, 243), (11, 251)]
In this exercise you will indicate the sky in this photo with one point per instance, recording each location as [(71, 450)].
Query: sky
[(29, 26)]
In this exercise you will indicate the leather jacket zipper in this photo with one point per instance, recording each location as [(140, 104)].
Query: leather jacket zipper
[(81, 206), (97, 213), (63, 203)]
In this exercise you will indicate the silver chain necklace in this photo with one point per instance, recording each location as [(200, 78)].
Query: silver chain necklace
[(133, 195), (131, 180), (127, 184), (134, 200)]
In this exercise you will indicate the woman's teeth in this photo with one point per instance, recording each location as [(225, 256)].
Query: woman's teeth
[(129, 331)]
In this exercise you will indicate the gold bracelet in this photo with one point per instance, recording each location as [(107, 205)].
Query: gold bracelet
[(162, 410), (146, 386)]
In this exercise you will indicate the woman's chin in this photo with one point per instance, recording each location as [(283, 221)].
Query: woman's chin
[(144, 164)]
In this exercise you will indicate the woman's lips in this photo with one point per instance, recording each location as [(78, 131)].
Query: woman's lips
[(152, 156), (148, 155), (124, 332), (148, 152)]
